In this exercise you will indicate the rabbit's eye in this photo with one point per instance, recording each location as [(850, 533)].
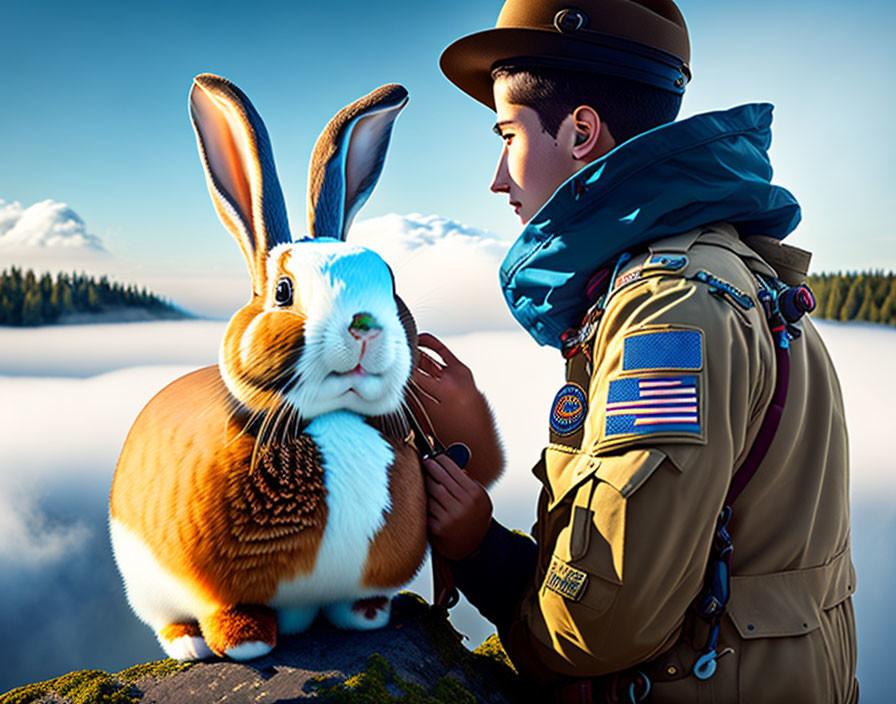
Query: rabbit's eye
[(283, 295)]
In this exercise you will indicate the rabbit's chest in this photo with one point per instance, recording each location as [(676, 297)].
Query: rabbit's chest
[(356, 461)]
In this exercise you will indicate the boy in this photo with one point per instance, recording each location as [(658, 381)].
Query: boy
[(652, 260)]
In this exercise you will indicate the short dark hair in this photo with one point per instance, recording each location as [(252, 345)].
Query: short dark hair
[(627, 107)]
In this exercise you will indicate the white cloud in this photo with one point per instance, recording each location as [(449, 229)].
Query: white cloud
[(47, 224), (28, 539), (89, 350), (446, 272), (63, 431)]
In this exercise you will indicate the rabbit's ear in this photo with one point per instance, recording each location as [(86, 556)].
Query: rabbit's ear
[(239, 167), (348, 159)]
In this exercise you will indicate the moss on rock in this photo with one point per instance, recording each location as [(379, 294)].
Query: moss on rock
[(94, 686), (81, 687), (379, 684), (159, 668)]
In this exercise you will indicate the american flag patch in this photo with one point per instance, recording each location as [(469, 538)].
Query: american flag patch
[(652, 404)]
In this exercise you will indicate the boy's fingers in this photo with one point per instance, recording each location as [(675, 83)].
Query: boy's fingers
[(429, 365), (424, 396), (438, 494), (445, 472), (426, 383), (442, 497), (425, 339), (457, 479), (436, 519)]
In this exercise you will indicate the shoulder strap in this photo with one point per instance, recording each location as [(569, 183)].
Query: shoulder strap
[(784, 306), (768, 428)]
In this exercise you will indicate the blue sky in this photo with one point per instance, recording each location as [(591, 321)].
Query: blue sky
[(94, 111)]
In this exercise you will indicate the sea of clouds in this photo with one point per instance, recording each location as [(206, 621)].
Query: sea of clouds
[(69, 394)]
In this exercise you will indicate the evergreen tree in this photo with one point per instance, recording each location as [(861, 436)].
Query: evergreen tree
[(32, 313), (867, 301), (94, 302), (881, 287), (888, 307), (834, 300), (851, 304)]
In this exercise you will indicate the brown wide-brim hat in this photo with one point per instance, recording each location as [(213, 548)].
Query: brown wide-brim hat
[(641, 40)]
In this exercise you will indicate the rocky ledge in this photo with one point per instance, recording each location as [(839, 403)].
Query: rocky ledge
[(417, 659)]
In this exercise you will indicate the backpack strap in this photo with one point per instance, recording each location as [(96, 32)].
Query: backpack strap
[(784, 307)]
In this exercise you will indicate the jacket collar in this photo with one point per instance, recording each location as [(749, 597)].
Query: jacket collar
[(709, 168)]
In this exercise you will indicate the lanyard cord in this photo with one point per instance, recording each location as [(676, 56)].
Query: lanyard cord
[(445, 594)]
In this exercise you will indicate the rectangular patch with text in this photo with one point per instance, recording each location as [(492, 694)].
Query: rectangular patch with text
[(648, 405), (564, 580)]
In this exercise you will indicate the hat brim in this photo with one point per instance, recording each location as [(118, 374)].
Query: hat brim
[(468, 62)]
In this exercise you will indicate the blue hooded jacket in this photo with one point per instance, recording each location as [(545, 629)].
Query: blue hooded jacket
[(708, 168)]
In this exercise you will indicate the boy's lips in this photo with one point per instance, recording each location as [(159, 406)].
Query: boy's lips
[(516, 205)]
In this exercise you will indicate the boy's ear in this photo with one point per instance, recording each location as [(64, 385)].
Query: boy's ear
[(591, 135)]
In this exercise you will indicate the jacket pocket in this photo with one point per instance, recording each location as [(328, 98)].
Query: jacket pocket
[(789, 603), (796, 633)]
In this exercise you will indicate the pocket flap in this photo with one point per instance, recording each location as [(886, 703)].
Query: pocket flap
[(789, 603), (626, 473), (565, 470)]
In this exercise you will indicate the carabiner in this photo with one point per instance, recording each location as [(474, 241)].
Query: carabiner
[(705, 667)]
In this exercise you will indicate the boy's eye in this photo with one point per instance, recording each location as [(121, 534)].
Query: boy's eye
[(507, 137)]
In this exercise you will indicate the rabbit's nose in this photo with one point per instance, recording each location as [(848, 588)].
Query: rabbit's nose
[(364, 326)]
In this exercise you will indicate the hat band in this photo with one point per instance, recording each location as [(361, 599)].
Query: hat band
[(616, 56)]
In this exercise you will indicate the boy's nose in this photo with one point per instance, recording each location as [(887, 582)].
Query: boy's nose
[(499, 180)]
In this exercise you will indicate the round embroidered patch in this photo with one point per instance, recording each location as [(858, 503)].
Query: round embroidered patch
[(569, 409)]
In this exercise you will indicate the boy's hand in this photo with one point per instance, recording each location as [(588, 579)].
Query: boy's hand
[(460, 510), (459, 412)]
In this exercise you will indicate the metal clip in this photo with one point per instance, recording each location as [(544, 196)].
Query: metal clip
[(705, 667)]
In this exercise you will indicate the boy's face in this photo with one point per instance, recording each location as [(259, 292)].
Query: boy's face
[(533, 164)]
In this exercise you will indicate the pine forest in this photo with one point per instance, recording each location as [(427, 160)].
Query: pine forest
[(28, 299), (868, 296)]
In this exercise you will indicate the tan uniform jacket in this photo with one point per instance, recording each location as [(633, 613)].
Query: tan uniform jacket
[(626, 517)]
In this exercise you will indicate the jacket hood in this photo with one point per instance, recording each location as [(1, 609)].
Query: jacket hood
[(709, 168)]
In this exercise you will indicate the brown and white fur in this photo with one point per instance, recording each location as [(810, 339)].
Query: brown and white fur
[(253, 495)]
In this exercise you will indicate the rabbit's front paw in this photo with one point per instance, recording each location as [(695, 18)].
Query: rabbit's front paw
[(241, 632), (183, 641), (361, 614)]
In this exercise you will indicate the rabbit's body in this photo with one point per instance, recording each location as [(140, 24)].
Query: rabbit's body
[(252, 495), (211, 534)]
